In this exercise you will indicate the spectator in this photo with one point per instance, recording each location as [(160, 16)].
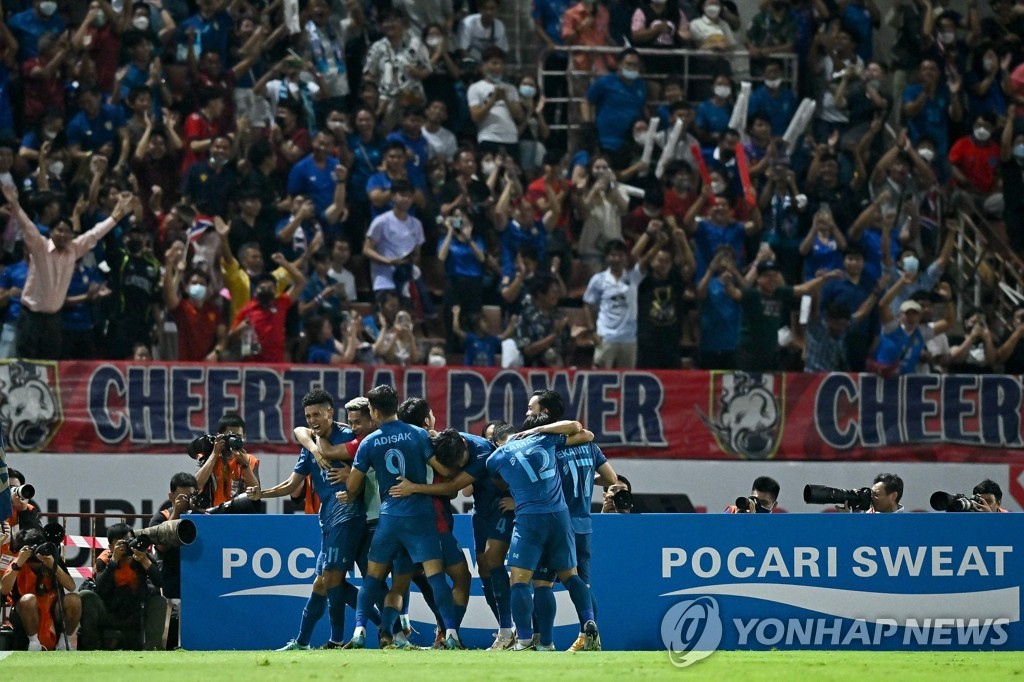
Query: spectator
[(12, 283), (341, 253), (659, 24), (421, 13), (713, 114), (766, 309), (601, 205), (393, 242), (711, 31), (444, 83), (325, 348), (586, 23), (618, 99), (265, 316), (477, 32), (977, 354), (774, 98), (483, 345), (313, 176), (321, 297), (155, 163), (410, 134), (823, 247), (533, 128), (78, 328), (860, 18), (202, 331), (930, 106), (210, 183), (134, 281), (201, 128), (464, 254), (772, 31), (208, 29), (974, 158), (49, 272), (398, 344), (397, 63), (495, 107), (611, 305), (30, 25), (96, 127), (542, 335), (666, 263), (826, 349), (719, 228), (719, 314), (441, 142), (901, 344), (44, 86), (514, 287), (324, 41), (379, 187)]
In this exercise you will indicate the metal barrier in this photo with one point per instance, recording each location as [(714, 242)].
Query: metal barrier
[(80, 566), (739, 60)]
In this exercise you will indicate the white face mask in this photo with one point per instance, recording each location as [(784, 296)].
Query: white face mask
[(49, 134), (336, 125), (990, 64), (629, 74), (527, 90), (712, 11), (910, 264), (487, 167), (947, 37), (717, 187), (47, 8), (926, 154), (433, 41), (141, 23), (640, 138), (101, 20), (774, 83), (982, 134), (56, 168), (722, 91), (436, 361), (197, 292)]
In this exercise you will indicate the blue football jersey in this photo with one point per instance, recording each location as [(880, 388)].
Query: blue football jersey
[(397, 449), (485, 494), (528, 466), (332, 512), (576, 467)]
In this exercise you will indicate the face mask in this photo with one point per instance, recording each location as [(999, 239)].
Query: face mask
[(651, 212), (217, 162), (265, 297), (336, 125), (494, 79), (629, 74), (1018, 152), (774, 83), (910, 264), (487, 167), (527, 90), (433, 41), (436, 361), (990, 64), (712, 11), (947, 37), (101, 20), (717, 187), (197, 292), (134, 247), (722, 91), (141, 23), (875, 84), (56, 168), (47, 8), (982, 134), (50, 134), (640, 138), (926, 154)]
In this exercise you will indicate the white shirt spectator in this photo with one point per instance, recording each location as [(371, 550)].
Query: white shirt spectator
[(392, 238), (616, 303), (441, 144), (419, 13), (474, 37), (498, 126), (325, 47), (347, 280)]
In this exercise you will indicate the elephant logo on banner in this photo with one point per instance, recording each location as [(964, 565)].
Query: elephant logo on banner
[(746, 413), (30, 409)]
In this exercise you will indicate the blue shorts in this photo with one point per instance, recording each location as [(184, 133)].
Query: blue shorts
[(416, 534), (402, 565), (543, 535), (450, 550), (583, 554), (339, 546), (492, 528)]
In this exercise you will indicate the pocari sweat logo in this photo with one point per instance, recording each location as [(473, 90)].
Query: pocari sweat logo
[(691, 631)]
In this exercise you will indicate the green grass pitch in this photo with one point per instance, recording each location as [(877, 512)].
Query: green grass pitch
[(484, 666)]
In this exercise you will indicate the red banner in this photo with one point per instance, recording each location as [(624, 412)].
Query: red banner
[(80, 407)]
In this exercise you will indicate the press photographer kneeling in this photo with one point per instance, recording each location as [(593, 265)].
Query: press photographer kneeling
[(124, 608), (40, 588)]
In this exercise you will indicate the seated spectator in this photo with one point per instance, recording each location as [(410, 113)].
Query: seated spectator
[(659, 24), (711, 31), (341, 252), (713, 114), (399, 343), (772, 31), (127, 596), (322, 296), (773, 98), (441, 142)]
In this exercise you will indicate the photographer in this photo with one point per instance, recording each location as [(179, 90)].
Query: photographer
[(764, 497), (988, 497), (126, 610), (30, 584), (614, 501), (24, 515), (886, 492), (179, 501), (225, 473)]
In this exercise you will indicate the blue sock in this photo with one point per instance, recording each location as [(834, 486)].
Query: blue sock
[(489, 595), (502, 596), (580, 595), (544, 611), (593, 603), (336, 612), (372, 592), (351, 599), (311, 614), (388, 618), (522, 609), (443, 599)]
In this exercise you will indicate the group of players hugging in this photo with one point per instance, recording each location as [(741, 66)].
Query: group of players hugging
[(385, 480)]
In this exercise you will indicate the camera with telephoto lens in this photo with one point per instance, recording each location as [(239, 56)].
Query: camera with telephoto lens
[(25, 492), (139, 543), (201, 447), (241, 504), (953, 502), (53, 538), (751, 505), (859, 499), (623, 500)]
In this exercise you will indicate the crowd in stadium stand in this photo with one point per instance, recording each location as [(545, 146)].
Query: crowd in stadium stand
[(359, 182)]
